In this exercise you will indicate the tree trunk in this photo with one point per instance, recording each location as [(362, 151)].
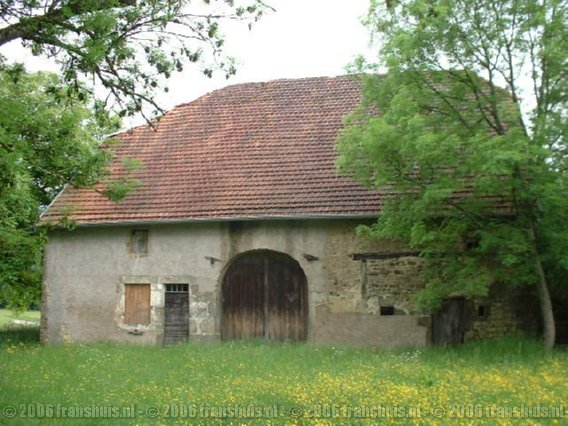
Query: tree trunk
[(549, 328)]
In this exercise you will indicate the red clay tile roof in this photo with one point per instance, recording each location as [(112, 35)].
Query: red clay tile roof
[(258, 150)]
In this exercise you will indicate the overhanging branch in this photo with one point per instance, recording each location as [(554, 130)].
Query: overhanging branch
[(27, 27)]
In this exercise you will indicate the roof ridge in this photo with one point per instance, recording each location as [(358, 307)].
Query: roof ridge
[(259, 83), (174, 109)]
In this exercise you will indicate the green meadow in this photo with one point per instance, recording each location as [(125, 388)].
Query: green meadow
[(505, 381), (7, 316)]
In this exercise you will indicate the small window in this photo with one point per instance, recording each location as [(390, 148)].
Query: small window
[(137, 304), (176, 288), (387, 310), (139, 242), (482, 311)]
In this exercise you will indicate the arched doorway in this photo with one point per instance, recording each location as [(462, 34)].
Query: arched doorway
[(264, 294)]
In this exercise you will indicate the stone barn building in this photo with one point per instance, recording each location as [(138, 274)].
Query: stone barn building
[(242, 228)]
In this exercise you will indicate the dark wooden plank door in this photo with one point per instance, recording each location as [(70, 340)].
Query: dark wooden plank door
[(287, 307), (449, 322), (176, 318), (264, 295), (243, 302)]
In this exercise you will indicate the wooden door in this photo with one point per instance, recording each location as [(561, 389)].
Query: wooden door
[(287, 301), (243, 299), (449, 322), (176, 318), (264, 295)]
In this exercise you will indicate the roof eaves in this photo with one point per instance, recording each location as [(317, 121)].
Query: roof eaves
[(225, 219)]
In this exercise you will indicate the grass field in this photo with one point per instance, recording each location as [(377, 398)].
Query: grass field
[(258, 383), (7, 316)]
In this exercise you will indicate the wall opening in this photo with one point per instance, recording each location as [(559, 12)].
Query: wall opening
[(176, 313), (139, 242), (264, 295), (482, 311), (451, 321)]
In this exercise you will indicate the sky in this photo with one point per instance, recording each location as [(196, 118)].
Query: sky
[(303, 38)]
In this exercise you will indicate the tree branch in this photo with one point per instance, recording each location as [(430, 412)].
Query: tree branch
[(28, 27)]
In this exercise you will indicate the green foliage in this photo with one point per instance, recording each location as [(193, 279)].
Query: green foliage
[(47, 139), (473, 167), (129, 47), (116, 190), (49, 128)]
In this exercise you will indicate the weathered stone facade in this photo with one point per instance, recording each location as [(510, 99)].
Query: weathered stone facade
[(359, 290), (504, 311)]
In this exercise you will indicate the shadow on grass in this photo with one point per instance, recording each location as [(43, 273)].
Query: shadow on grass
[(10, 335)]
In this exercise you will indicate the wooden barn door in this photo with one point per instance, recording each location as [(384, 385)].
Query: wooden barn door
[(242, 313), (264, 295), (176, 318), (449, 322)]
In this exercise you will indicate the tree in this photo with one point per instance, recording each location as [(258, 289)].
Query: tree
[(48, 137), (480, 174), (51, 132), (129, 46)]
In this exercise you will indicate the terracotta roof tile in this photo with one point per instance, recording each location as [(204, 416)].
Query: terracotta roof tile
[(257, 150)]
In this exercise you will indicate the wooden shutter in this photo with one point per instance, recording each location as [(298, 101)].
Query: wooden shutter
[(137, 304)]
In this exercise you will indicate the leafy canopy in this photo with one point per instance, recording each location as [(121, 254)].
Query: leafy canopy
[(476, 168), (130, 47), (47, 138), (50, 126)]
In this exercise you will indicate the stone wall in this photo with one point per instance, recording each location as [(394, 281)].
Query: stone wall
[(391, 282), (358, 286), (504, 311), (359, 290), (365, 274), (86, 271)]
